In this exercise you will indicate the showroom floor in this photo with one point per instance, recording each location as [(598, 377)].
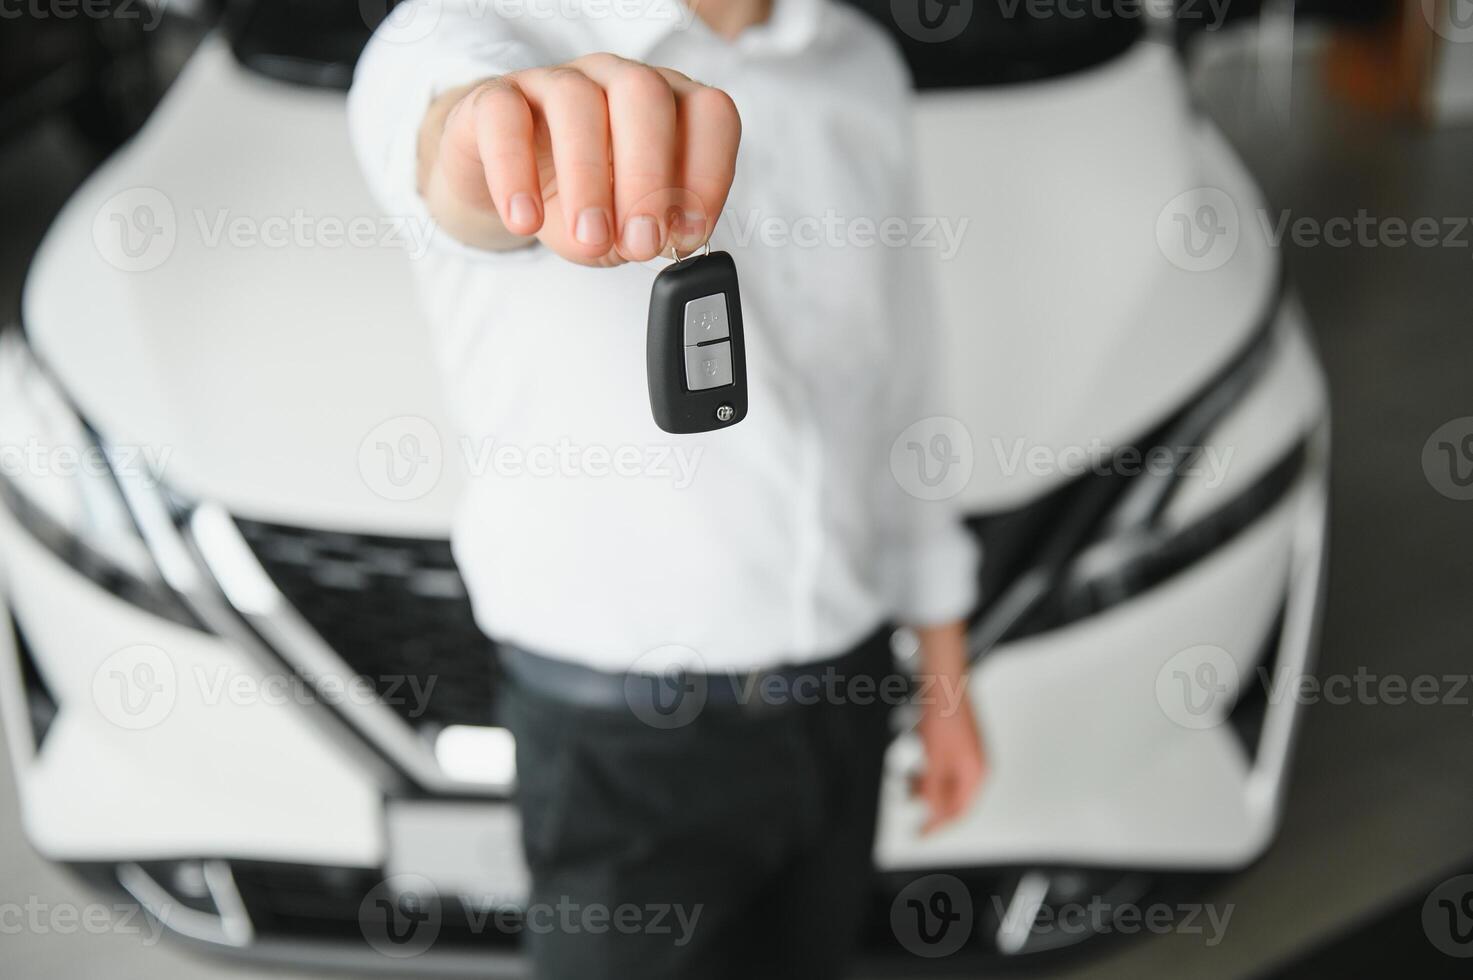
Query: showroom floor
[(1380, 805)]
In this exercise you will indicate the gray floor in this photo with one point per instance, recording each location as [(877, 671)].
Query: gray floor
[(1381, 801)]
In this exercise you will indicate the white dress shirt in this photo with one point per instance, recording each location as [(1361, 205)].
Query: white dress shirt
[(589, 534)]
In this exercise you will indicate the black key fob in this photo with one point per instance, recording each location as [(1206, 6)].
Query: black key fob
[(696, 360)]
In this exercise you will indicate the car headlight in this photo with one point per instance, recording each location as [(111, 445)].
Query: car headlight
[(62, 483)]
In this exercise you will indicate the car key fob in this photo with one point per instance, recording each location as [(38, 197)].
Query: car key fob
[(695, 356)]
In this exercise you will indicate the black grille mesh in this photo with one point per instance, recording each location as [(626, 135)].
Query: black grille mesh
[(395, 610)]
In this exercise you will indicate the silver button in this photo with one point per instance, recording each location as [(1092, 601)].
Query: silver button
[(708, 367), (705, 319)]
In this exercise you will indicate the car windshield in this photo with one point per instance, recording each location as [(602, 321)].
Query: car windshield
[(972, 43), (313, 42), (948, 44)]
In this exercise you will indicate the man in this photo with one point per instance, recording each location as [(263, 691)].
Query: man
[(563, 145)]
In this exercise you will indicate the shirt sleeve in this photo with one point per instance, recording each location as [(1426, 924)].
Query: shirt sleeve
[(423, 49), (930, 558)]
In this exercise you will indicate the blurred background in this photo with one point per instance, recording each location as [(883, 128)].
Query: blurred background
[(1353, 122)]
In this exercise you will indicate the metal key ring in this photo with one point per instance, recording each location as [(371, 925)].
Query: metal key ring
[(704, 250)]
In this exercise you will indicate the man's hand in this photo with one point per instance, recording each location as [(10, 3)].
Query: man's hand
[(604, 160), (956, 763)]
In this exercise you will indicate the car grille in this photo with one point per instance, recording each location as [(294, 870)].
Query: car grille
[(394, 609), (314, 904), (308, 902)]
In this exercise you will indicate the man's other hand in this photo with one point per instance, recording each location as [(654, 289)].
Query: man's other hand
[(955, 761)]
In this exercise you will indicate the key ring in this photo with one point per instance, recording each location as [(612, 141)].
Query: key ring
[(704, 250)]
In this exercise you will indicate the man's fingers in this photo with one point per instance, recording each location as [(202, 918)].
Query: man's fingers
[(503, 140), (605, 159), (457, 158), (929, 786), (710, 132), (948, 789), (573, 108), (674, 149), (643, 127), (939, 795)]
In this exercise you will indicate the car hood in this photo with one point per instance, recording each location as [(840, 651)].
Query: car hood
[(250, 341), (1113, 266), (182, 304)]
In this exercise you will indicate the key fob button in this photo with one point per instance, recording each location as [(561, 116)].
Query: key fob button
[(708, 366), (705, 320)]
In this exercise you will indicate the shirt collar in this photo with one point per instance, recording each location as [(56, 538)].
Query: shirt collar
[(634, 29)]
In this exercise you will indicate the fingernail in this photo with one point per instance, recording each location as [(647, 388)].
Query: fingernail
[(593, 227), (690, 228), (523, 210), (693, 221), (641, 235)]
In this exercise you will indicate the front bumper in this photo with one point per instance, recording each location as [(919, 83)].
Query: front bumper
[(282, 799), (210, 771)]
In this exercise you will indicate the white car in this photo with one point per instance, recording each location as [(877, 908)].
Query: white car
[(240, 678)]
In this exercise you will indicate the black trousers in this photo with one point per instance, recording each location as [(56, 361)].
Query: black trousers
[(738, 845)]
